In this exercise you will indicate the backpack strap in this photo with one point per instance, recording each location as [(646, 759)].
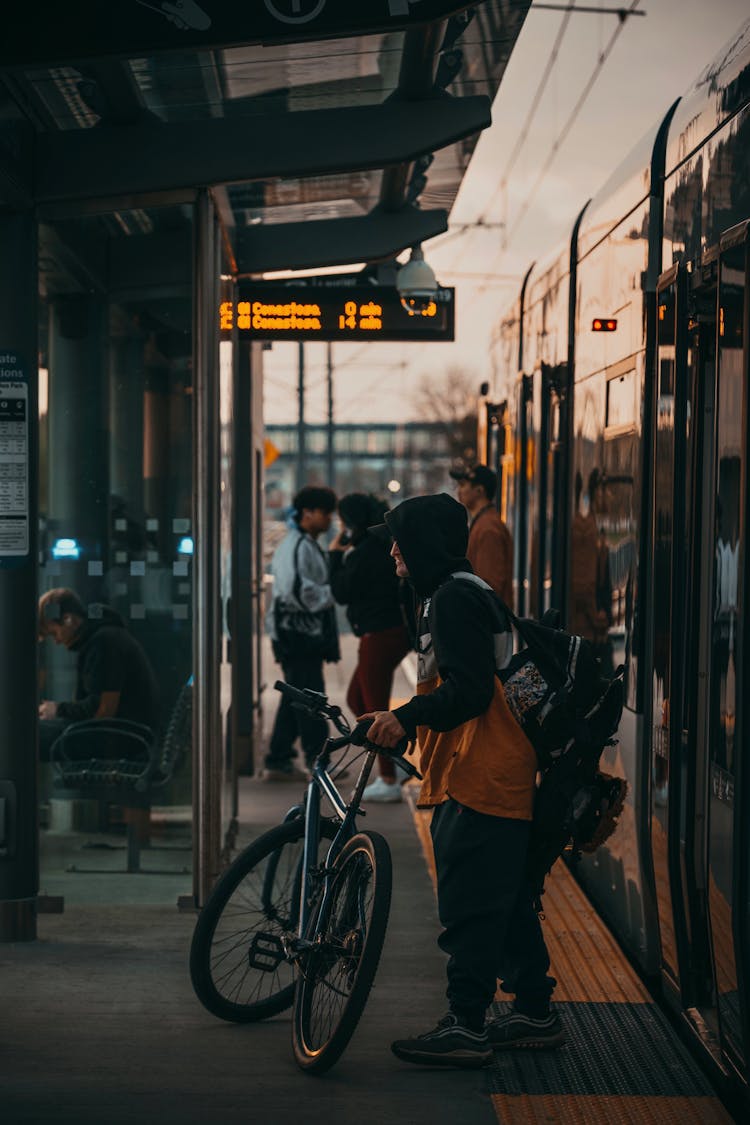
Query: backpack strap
[(503, 636)]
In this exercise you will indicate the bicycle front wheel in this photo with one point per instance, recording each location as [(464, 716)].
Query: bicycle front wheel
[(238, 963), (336, 974)]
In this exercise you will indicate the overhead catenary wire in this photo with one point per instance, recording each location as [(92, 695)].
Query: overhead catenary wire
[(535, 102), (530, 196), (523, 136), (568, 10)]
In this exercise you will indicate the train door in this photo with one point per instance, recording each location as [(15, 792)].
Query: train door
[(723, 595), (552, 491), (671, 766), (524, 476)]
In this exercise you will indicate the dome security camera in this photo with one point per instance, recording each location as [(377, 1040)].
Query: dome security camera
[(416, 284)]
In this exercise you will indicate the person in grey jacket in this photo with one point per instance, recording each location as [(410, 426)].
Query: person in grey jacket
[(302, 625)]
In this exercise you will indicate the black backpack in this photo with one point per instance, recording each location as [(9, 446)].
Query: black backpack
[(569, 712)]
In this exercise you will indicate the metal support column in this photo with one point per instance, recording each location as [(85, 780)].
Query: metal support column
[(207, 743), (329, 446), (19, 515), (301, 457)]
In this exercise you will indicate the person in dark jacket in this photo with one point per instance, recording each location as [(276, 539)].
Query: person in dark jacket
[(363, 579), (114, 678), (479, 774)]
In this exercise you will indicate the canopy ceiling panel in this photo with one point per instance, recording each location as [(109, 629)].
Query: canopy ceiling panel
[(287, 132)]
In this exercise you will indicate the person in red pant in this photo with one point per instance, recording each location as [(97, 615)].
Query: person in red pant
[(364, 580)]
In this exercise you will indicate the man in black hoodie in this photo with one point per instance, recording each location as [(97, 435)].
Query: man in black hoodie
[(113, 675), (479, 774)]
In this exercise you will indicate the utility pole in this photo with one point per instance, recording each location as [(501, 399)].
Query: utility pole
[(329, 375), (301, 459)]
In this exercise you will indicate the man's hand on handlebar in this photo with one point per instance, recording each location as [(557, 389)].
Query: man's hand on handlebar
[(385, 730)]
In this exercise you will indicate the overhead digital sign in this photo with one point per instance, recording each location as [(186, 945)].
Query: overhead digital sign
[(301, 311)]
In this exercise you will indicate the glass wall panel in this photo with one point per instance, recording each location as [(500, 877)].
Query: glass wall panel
[(116, 509)]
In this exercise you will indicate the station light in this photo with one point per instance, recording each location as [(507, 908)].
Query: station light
[(185, 546), (604, 324), (66, 549), (394, 486)]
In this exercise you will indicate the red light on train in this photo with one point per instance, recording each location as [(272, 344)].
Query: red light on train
[(601, 325)]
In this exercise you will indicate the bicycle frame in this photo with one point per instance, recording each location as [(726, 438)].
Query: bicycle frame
[(321, 783)]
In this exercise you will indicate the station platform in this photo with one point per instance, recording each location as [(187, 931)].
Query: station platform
[(100, 1023)]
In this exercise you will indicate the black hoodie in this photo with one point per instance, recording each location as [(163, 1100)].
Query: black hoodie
[(111, 660), (457, 630)]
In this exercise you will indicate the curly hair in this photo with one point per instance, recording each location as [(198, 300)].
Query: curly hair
[(314, 496)]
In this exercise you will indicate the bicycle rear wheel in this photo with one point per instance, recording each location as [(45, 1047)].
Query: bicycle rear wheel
[(336, 975), (238, 965)]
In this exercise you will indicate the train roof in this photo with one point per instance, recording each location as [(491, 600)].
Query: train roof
[(721, 89), (625, 189), (718, 92), (547, 273)]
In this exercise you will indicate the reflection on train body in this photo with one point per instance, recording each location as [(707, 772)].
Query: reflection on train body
[(623, 461)]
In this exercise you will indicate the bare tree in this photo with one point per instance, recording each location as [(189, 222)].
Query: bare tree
[(451, 400)]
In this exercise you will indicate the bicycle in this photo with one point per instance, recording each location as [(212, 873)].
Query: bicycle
[(280, 928)]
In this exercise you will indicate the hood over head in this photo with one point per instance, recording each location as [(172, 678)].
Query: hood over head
[(432, 533)]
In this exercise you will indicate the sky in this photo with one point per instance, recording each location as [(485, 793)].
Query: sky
[(495, 235)]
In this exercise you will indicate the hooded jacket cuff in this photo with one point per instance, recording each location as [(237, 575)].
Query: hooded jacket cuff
[(407, 716)]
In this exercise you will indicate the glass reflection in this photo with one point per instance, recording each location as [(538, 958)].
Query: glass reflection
[(726, 624)]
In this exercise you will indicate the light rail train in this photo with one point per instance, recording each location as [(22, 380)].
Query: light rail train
[(617, 420)]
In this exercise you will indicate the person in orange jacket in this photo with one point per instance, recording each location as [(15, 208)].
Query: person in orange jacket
[(490, 549)]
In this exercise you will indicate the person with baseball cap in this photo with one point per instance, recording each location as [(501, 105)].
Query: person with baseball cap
[(490, 550)]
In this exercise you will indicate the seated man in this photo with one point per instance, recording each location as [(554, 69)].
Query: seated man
[(114, 676)]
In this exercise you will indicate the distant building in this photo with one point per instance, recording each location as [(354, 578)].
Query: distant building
[(367, 458)]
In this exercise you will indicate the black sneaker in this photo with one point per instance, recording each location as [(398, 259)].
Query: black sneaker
[(518, 1030), (451, 1043)]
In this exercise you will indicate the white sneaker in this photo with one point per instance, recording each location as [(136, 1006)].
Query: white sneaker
[(382, 790)]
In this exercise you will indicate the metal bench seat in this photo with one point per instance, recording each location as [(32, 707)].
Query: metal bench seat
[(117, 761)]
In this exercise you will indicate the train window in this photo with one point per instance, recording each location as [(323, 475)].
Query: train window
[(621, 400)]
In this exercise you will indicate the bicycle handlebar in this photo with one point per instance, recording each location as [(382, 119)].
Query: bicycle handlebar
[(306, 697), (317, 703)]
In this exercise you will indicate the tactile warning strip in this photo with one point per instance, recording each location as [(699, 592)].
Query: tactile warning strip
[(586, 960), (627, 1050), (622, 1061), (596, 1110)]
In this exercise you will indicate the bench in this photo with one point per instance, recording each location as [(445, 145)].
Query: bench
[(117, 761)]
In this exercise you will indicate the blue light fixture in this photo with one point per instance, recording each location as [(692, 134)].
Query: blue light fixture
[(66, 549), (185, 546)]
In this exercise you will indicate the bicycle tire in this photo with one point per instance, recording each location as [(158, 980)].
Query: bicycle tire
[(346, 958), (234, 920)]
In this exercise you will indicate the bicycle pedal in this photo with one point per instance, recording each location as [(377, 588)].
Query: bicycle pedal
[(266, 952)]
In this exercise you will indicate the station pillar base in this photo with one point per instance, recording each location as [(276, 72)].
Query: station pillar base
[(18, 919)]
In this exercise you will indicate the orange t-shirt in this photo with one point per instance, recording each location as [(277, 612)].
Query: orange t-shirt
[(487, 763)]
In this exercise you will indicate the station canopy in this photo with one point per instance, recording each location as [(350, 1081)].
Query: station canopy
[(329, 132)]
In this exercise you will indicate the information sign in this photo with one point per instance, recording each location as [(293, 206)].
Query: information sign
[(300, 311), (14, 458)]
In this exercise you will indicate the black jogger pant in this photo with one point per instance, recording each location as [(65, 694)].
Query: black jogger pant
[(301, 672), (492, 930)]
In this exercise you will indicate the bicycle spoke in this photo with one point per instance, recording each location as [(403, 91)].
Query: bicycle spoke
[(338, 970), (238, 961)]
